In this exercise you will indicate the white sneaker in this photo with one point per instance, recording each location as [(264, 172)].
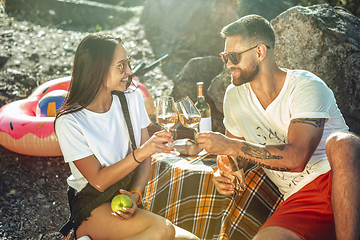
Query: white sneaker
[(84, 238)]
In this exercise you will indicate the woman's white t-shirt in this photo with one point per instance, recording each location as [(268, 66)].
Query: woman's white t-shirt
[(103, 135), (303, 95)]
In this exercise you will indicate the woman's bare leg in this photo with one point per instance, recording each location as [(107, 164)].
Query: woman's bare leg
[(142, 225), (182, 234)]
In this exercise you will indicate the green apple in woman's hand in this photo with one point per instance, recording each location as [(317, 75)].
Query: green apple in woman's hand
[(120, 201)]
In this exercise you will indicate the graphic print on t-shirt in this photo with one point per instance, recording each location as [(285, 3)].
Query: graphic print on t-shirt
[(269, 136)]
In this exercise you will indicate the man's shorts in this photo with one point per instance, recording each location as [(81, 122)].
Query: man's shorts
[(308, 212)]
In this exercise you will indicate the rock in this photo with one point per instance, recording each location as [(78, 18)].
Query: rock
[(127, 3), (3, 60), (218, 87), (216, 92), (6, 227), (202, 69), (35, 57), (41, 182), (326, 41), (40, 196), (13, 224), (17, 194), (24, 202), (70, 14), (323, 40), (269, 9), (66, 212), (186, 29)]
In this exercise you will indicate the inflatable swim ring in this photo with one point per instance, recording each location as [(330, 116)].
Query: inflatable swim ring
[(148, 99), (27, 126), (22, 131)]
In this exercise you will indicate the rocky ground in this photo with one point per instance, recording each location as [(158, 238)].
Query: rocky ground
[(33, 201)]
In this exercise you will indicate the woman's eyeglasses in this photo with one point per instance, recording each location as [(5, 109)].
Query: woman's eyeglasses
[(130, 85), (123, 64), (235, 57)]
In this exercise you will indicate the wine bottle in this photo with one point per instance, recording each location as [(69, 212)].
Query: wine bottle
[(204, 108)]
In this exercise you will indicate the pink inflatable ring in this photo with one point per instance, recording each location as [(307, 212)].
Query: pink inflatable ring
[(24, 128), (23, 132)]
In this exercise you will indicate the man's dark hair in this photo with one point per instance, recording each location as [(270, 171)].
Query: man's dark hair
[(253, 28)]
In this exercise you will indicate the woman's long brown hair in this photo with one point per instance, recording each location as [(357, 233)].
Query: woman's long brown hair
[(92, 61)]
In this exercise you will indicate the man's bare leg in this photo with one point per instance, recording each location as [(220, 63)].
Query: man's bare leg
[(276, 233), (343, 151)]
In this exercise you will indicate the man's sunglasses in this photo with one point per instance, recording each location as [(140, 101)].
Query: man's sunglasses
[(234, 57), (123, 64)]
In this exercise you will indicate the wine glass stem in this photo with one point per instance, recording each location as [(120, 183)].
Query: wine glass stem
[(196, 131), (169, 130)]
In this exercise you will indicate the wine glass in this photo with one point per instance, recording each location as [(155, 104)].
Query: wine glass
[(189, 115), (167, 117)]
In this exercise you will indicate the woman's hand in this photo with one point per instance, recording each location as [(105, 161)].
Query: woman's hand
[(156, 143), (223, 184), (129, 211)]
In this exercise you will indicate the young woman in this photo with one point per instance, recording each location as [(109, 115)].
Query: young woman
[(95, 141)]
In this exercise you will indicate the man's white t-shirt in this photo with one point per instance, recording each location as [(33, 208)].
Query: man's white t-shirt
[(304, 95), (103, 135)]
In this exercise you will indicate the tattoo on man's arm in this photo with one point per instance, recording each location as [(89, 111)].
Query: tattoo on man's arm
[(240, 158), (258, 152), (316, 122)]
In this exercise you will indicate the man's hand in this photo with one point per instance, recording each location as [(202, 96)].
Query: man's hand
[(223, 184), (215, 143)]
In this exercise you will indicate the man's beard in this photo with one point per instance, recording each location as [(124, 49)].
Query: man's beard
[(244, 76)]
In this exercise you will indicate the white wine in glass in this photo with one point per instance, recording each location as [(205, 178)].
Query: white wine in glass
[(189, 115), (167, 120), (189, 121), (167, 117)]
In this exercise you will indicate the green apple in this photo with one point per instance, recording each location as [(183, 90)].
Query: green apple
[(120, 201)]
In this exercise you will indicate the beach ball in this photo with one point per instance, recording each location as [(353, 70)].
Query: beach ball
[(50, 103)]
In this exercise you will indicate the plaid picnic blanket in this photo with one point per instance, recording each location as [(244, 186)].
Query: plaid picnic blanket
[(181, 190)]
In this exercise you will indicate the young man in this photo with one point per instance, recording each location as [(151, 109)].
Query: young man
[(282, 120)]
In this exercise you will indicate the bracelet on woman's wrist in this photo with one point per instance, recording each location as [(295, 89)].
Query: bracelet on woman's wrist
[(135, 158), (140, 196)]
